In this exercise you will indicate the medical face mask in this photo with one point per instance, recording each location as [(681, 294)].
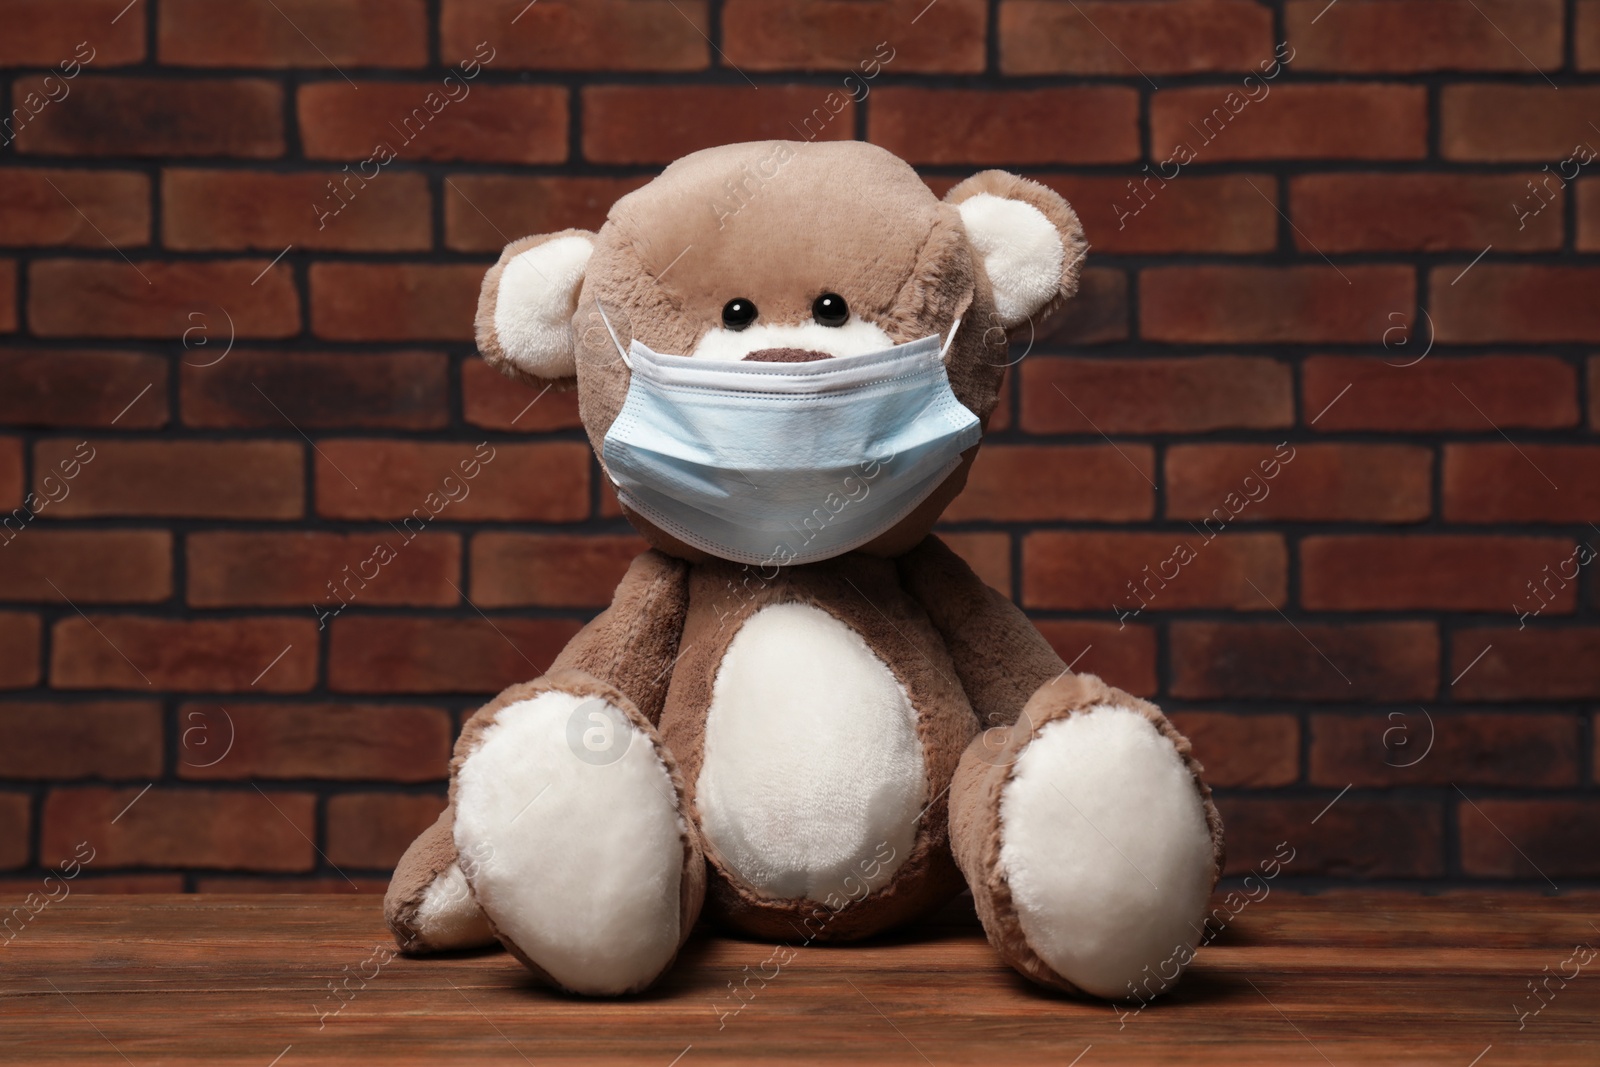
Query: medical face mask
[(785, 463)]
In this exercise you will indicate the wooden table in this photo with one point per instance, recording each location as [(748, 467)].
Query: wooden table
[(1347, 979)]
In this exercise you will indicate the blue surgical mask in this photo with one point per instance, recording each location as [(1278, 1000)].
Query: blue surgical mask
[(785, 463)]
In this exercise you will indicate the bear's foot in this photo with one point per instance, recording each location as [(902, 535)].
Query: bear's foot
[(1088, 840), (580, 855), (429, 907)]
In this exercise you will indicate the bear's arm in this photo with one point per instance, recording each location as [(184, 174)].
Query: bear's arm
[(1000, 657), (633, 643)]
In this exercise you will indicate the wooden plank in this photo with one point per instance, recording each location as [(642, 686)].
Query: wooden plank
[(1344, 979)]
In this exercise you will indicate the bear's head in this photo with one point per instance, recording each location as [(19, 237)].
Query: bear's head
[(789, 253)]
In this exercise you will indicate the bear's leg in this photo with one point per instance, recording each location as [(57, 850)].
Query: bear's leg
[(569, 814), (428, 906), (1089, 842)]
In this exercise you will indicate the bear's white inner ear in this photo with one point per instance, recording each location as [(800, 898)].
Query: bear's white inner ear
[(1022, 253), (534, 307)]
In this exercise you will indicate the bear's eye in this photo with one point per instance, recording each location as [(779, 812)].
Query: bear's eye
[(830, 310), (738, 313)]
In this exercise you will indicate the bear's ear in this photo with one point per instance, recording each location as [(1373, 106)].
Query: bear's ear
[(1029, 241), (525, 309)]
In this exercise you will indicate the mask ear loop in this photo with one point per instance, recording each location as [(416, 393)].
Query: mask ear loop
[(625, 360), (943, 352)]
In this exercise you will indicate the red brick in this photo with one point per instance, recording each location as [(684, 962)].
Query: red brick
[(1188, 394), (485, 212), (110, 298), (988, 554), (1408, 36), (103, 739), (864, 38), (309, 390), (1594, 392), (155, 117), (223, 210), (97, 567), (1530, 664), (1272, 305), (1097, 315), (1500, 122), (292, 33), (549, 570), (546, 482), (1587, 35), (394, 301), (569, 35), (491, 400), (183, 828), (389, 654), (1495, 482), (81, 387), (1412, 747), (235, 568), (1390, 661), (1253, 751), (1395, 392), (1011, 483), (11, 474), (15, 820), (1355, 838), (42, 33), (416, 120), (1086, 124), (19, 650), (1422, 573), (99, 209), (1116, 572), (179, 479), (1374, 483), (1515, 302), (8, 295), (1420, 213), (219, 655), (1128, 40), (1588, 211), (1124, 655), (657, 124), (350, 742), (1337, 120), (1211, 214), (1535, 839), (373, 830)]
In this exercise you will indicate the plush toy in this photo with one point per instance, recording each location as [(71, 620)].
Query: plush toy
[(801, 709)]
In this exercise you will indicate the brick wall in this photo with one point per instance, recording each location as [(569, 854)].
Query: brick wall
[(1311, 461)]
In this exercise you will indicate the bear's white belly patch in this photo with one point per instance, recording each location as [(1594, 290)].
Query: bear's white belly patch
[(813, 774)]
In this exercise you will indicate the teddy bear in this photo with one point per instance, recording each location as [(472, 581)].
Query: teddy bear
[(802, 714)]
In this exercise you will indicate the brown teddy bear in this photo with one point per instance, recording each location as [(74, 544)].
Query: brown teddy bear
[(800, 707)]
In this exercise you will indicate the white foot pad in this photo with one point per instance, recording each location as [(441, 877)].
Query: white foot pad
[(574, 826), (1105, 845)]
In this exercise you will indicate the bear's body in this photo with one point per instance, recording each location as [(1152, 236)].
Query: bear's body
[(817, 751)]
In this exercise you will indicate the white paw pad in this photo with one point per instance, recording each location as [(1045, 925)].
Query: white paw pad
[(1106, 849), (448, 917), (573, 825)]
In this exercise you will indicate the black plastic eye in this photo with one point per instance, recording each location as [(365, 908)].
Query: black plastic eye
[(738, 313), (830, 310)]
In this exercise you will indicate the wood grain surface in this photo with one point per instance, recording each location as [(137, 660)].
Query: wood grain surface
[(1344, 979)]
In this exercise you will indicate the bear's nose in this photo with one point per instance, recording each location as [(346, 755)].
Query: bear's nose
[(785, 355)]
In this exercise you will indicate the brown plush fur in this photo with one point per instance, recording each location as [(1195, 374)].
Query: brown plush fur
[(819, 217)]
